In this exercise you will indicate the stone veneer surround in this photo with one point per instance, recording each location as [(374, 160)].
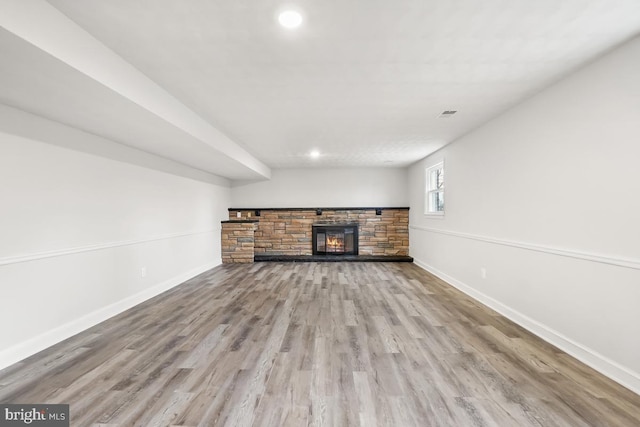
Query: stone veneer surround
[(238, 241), (287, 231)]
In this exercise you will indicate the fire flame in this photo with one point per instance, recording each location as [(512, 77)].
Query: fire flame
[(334, 242)]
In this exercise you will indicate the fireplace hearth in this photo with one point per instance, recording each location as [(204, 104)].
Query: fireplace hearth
[(335, 239)]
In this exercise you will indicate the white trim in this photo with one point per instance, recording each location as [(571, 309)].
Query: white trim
[(89, 248), (40, 342), (595, 360), (603, 259)]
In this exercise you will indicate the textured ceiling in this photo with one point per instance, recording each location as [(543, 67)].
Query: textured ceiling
[(362, 81)]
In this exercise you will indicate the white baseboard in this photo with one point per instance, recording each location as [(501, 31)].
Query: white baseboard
[(40, 342), (600, 363)]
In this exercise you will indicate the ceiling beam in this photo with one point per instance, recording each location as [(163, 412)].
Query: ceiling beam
[(48, 29)]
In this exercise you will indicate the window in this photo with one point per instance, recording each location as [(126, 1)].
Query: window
[(434, 193)]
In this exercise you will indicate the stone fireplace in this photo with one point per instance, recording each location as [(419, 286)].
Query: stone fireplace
[(283, 234), (335, 239)]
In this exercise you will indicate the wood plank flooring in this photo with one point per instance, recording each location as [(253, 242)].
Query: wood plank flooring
[(321, 344)]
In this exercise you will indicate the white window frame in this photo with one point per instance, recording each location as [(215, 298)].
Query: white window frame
[(428, 208)]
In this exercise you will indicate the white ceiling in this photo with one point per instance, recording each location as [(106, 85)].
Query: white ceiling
[(362, 81)]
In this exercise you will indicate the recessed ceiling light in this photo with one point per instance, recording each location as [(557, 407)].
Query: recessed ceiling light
[(314, 154), (290, 19)]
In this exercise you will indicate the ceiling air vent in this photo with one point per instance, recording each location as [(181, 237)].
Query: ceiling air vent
[(446, 114)]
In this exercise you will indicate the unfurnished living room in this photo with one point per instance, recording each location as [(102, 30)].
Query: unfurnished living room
[(320, 213)]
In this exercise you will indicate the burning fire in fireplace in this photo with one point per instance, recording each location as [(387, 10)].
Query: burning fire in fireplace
[(335, 244), (335, 239)]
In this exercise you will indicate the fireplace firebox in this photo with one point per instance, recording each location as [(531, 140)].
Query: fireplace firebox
[(335, 239)]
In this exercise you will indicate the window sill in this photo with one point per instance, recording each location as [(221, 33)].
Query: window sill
[(434, 215)]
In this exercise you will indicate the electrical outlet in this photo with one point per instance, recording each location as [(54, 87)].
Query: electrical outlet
[(143, 272), (238, 214), (483, 273)]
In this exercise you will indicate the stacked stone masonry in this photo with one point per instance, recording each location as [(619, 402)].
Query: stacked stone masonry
[(288, 232), (238, 241)]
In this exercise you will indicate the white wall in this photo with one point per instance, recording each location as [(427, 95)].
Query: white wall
[(77, 229), (290, 188), (546, 198)]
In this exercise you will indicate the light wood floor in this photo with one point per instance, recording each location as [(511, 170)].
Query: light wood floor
[(296, 344)]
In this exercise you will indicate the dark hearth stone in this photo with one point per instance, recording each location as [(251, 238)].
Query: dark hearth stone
[(331, 258)]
